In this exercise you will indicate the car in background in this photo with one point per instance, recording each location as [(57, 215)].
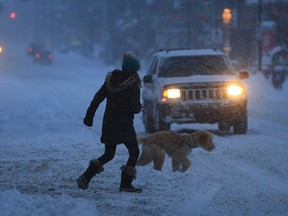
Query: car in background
[(43, 57), (33, 48), (194, 86)]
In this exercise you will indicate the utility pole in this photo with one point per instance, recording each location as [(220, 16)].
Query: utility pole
[(260, 7), (189, 22)]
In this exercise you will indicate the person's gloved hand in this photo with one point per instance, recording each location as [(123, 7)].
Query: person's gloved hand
[(88, 121)]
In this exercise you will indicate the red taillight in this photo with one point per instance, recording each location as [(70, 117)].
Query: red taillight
[(37, 55), (50, 56), (29, 49)]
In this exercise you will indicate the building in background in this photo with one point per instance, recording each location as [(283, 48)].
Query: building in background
[(110, 27)]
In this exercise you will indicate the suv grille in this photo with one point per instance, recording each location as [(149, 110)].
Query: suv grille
[(203, 94)]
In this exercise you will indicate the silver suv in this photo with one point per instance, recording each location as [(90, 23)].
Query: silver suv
[(194, 86)]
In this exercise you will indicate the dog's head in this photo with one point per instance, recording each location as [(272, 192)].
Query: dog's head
[(203, 139)]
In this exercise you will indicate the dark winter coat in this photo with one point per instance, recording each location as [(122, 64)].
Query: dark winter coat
[(122, 92)]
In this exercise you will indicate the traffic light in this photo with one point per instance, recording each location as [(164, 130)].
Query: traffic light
[(227, 16), (12, 15)]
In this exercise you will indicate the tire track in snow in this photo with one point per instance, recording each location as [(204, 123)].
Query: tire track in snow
[(261, 176), (200, 199)]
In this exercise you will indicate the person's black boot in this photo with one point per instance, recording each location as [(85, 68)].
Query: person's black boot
[(94, 168), (127, 176)]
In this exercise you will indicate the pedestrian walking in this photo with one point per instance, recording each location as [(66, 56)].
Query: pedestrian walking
[(121, 89)]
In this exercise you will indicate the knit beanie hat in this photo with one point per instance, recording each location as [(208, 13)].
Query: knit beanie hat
[(130, 62)]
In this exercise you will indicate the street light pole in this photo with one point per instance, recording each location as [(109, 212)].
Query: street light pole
[(259, 35), (189, 21), (227, 24)]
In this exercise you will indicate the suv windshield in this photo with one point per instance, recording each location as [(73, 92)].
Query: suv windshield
[(194, 65)]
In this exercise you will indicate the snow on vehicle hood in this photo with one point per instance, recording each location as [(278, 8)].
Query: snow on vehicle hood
[(198, 79)]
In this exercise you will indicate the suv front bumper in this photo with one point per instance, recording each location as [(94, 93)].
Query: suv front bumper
[(202, 112)]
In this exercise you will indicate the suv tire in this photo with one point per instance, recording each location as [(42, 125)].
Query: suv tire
[(224, 126), (159, 124), (148, 118), (240, 125)]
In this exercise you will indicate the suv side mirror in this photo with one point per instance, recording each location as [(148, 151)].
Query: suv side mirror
[(147, 79), (243, 75)]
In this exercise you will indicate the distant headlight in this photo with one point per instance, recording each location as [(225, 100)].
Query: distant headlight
[(234, 90), (171, 94)]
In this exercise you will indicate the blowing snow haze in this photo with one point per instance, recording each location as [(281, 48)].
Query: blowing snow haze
[(44, 146)]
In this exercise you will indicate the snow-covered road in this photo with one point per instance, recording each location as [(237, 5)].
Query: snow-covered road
[(44, 147)]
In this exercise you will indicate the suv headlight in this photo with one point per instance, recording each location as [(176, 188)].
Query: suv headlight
[(172, 93), (235, 90)]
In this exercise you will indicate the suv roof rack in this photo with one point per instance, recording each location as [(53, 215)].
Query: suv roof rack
[(168, 50)]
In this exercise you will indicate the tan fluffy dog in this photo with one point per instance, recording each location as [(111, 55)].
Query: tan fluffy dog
[(177, 146)]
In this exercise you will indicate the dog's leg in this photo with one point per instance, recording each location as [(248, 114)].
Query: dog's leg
[(175, 165), (158, 158), (180, 157), (146, 156), (186, 163)]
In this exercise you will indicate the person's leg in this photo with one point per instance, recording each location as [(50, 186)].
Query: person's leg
[(96, 166), (133, 149), (129, 172), (110, 150)]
